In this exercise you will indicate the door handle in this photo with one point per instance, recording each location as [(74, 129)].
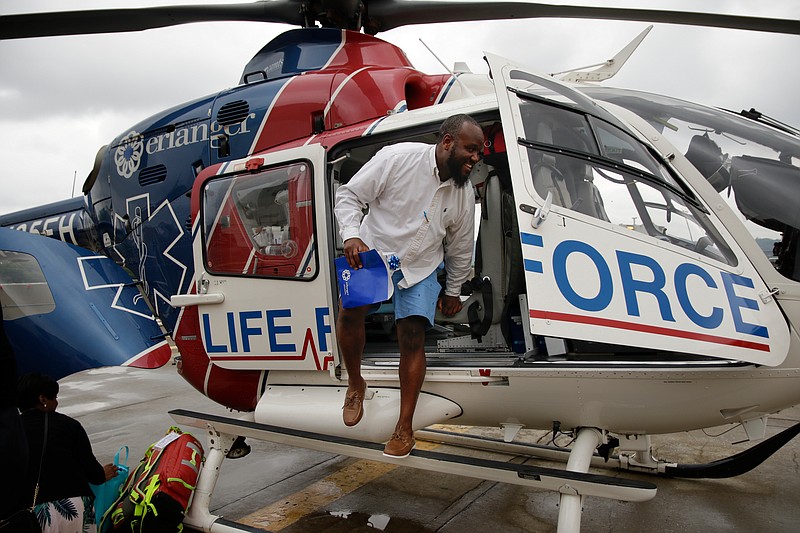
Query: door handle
[(184, 300), (539, 213)]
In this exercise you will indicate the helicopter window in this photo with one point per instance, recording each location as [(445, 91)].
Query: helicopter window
[(23, 287), (261, 224), (624, 148), (594, 168), (753, 165)]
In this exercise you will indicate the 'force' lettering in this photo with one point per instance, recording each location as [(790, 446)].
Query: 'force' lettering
[(642, 278)]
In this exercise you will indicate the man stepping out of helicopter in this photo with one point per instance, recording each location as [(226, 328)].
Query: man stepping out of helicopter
[(421, 210)]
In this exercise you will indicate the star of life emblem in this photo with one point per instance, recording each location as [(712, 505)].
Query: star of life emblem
[(128, 155)]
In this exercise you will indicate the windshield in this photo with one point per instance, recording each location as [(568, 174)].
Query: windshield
[(754, 167)]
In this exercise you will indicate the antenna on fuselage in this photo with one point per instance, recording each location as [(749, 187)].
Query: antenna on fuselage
[(607, 68), (460, 83)]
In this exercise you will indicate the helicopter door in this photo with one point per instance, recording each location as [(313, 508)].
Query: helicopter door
[(264, 286), (616, 248)]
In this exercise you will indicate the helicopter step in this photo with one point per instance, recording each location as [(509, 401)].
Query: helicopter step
[(573, 483)]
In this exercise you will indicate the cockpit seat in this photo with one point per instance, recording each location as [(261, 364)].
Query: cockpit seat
[(707, 157), (547, 177), (269, 211), (484, 307)]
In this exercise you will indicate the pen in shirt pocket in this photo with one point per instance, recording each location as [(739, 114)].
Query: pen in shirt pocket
[(425, 214)]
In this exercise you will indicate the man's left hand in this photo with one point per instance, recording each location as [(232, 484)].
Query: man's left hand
[(449, 305)]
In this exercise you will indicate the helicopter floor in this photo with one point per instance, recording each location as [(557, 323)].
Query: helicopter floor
[(453, 346), (293, 490)]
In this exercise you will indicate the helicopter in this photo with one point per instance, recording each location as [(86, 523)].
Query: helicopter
[(618, 292)]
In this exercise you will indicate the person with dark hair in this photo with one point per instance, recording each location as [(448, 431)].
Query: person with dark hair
[(421, 211), (13, 445), (68, 465)]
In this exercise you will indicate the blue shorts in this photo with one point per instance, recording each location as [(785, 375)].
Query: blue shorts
[(418, 300)]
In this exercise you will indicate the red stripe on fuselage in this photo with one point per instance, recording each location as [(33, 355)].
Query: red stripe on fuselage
[(644, 328)]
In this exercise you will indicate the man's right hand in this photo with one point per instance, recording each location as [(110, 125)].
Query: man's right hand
[(352, 247)]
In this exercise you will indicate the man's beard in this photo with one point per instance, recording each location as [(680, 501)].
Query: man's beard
[(455, 169)]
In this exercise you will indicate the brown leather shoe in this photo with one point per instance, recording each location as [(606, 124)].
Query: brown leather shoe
[(353, 408), (400, 445)]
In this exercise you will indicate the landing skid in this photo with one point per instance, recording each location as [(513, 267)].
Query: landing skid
[(736, 464), (573, 484), (641, 462)]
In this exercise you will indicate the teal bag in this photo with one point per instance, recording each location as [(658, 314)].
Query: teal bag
[(106, 494)]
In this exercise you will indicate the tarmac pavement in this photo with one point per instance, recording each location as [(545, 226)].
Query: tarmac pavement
[(294, 490)]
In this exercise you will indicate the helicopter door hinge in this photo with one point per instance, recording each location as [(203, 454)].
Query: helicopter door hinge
[(766, 296), (202, 285)]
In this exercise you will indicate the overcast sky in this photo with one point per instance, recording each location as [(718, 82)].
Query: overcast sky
[(62, 98)]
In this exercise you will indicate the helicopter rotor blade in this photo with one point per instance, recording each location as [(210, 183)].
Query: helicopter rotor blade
[(137, 19), (381, 15), (388, 14)]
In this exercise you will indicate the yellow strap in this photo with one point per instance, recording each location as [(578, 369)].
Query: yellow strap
[(182, 482)]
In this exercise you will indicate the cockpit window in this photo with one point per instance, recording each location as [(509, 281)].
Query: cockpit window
[(261, 224), (621, 147), (592, 166), (755, 167)]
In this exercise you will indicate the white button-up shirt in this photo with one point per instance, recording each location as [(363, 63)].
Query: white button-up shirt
[(412, 214)]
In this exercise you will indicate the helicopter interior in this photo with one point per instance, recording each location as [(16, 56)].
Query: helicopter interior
[(492, 327)]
